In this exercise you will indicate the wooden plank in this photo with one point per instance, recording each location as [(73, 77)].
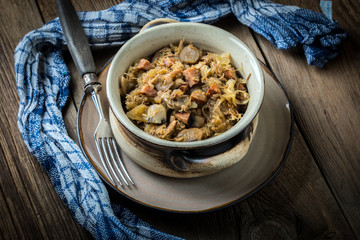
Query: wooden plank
[(13, 187), (8, 228), (30, 202), (326, 103)]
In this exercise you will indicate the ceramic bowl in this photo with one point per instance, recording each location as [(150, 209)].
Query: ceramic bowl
[(184, 159)]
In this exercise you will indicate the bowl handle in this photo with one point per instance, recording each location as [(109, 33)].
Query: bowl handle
[(157, 22)]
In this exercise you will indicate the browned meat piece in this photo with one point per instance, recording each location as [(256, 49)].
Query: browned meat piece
[(183, 117), (169, 62), (148, 90), (192, 76), (161, 131), (241, 87), (189, 135), (144, 65), (184, 87), (156, 113), (214, 88), (189, 54), (230, 74), (171, 128), (198, 122), (199, 97)]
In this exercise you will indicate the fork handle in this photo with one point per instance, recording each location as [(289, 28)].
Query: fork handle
[(76, 39)]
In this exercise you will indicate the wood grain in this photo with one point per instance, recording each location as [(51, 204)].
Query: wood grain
[(326, 103), (314, 196)]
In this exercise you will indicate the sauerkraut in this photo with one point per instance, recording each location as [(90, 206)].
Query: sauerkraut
[(183, 93)]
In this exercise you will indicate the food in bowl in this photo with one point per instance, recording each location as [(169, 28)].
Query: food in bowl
[(184, 93)]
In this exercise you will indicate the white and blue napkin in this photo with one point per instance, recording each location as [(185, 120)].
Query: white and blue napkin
[(43, 86)]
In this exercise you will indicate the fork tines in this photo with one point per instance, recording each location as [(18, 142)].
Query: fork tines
[(106, 148)]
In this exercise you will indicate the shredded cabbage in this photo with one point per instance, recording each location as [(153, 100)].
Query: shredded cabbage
[(167, 80)]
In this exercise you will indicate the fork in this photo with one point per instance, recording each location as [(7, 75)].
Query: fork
[(80, 51), (106, 147)]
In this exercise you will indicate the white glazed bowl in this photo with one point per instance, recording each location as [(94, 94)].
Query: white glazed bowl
[(145, 44)]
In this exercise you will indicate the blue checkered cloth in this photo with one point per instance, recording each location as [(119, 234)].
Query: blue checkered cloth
[(43, 79)]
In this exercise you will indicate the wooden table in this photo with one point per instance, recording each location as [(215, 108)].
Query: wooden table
[(316, 195)]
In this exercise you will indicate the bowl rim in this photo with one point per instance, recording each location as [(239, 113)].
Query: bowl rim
[(129, 125)]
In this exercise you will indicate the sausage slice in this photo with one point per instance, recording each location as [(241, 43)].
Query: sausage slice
[(189, 54)]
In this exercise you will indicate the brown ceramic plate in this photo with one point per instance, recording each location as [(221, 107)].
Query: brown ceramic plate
[(266, 155)]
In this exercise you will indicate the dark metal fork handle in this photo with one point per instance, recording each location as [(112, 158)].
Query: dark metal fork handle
[(76, 39)]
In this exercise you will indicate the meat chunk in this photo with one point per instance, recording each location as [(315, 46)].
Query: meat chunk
[(230, 74), (148, 90), (189, 54), (183, 117), (189, 135), (156, 113), (161, 131), (199, 97), (241, 87), (184, 87), (171, 129), (169, 61), (144, 65), (192, 76), (198, 121), (214, 88)]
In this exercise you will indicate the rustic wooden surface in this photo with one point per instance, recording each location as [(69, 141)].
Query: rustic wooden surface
[(316, 195)]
